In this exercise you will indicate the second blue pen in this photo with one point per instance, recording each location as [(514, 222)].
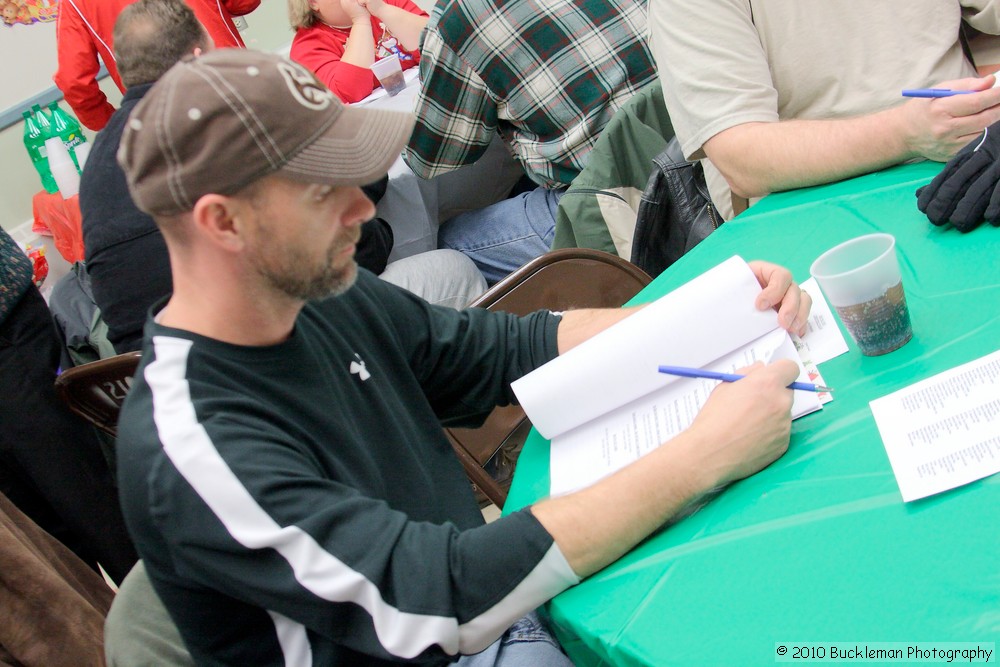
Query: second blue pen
[(935, 92)]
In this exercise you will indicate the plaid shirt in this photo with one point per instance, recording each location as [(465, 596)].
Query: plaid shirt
[(546, 74)]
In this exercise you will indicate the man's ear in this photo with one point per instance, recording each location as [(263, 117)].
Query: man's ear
[(221, 220)]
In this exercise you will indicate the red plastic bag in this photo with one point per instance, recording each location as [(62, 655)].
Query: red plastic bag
[(62, 217), (40, 228)]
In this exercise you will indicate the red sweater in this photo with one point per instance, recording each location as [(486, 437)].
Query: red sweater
[(83, 32), (321, 47)]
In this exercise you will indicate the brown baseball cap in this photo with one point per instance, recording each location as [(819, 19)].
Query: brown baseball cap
[(218, 122)]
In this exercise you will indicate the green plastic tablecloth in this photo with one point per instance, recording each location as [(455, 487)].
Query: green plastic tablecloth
[(819, 546)]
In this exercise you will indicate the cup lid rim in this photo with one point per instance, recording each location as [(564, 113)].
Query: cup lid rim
[(845, 244)]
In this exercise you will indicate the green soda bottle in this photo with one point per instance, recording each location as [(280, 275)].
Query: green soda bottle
[(42, 120), (34, 142), (68, 129)]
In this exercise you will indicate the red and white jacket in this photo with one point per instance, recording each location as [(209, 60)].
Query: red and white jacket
[(83, 32)]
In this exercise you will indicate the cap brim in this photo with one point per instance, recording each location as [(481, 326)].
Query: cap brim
[(356, 150)]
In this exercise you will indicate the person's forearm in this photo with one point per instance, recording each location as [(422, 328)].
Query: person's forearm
[(743, 427), (579, 325), (360, 48), (760, 158), (404, 25), (598, 525), (89, 103)]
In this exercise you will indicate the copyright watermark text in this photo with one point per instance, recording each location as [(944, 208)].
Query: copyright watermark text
[(886, 652)]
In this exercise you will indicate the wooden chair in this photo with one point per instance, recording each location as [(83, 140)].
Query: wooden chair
[(95, 390), (559, 280)]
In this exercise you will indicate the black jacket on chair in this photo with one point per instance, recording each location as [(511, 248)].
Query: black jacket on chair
[(675, 214)]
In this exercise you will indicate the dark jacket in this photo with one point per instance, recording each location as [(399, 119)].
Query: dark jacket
[(125, 254)]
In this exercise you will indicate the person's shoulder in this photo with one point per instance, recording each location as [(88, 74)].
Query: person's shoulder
[(449, 11), (308, 39), (367, 286), (112, 132), (315, 31), (368, 299), (105, 175), (304, 35)]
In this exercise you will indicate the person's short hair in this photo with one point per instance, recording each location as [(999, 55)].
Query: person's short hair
[(152, 35), (300, 14), (217, 123)]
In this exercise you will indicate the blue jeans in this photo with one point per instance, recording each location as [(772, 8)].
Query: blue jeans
[(506, 235), (527, 643)]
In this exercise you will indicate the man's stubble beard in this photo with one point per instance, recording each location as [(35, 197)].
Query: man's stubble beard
[(288, 276)]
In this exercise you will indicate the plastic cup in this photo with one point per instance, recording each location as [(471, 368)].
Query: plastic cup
[(390, 74), (82, 152), (62, 167), (861, 280)]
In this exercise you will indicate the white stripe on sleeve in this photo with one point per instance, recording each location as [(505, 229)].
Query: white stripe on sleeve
[(402, 634)]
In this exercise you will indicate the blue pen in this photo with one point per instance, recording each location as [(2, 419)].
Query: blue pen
[(935, 92), (683, 371)]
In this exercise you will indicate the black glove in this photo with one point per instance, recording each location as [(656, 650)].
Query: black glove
[(968, 188)]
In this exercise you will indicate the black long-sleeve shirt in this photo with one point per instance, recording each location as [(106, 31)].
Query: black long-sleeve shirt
[(300, 504)]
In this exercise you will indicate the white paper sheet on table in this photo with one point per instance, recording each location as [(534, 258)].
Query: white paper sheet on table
[(403, 101), (604, 404), (944, 431), (823, 340)]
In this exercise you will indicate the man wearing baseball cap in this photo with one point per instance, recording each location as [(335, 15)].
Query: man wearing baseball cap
[(281, 460)]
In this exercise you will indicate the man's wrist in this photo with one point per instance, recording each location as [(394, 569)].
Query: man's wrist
[(685, 453), (899, 132)]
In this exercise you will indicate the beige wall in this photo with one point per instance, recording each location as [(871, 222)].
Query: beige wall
[(267, 30)]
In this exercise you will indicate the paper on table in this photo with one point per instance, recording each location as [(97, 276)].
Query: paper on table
[(611, 381), (943, 432), (599, 447), (823, 340), (404, 101), (812, 370)]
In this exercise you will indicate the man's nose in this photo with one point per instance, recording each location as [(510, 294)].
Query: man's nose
[(362, 209)]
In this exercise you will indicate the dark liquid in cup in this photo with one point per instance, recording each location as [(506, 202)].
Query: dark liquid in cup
[(394, 83), (880, 325)]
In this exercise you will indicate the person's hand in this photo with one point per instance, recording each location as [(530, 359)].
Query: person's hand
[(355, 10), (782, 294), (938, 128), (968, 188), (745, 425)]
